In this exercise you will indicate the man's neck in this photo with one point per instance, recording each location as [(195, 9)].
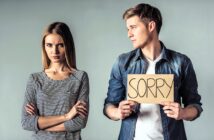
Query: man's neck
[(152, 50)]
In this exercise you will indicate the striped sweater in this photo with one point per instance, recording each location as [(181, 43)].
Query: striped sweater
[(55, 97)]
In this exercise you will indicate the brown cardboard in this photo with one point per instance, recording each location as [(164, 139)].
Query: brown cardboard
[(150, 88)]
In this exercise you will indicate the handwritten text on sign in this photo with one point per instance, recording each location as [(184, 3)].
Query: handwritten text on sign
[(150, 88)]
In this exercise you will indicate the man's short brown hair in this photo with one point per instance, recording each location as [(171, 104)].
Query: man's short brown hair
[(146, 13)]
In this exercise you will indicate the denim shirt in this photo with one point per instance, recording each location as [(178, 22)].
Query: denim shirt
[(185, 89)]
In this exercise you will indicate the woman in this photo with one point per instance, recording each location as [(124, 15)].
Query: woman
[(56, 99)]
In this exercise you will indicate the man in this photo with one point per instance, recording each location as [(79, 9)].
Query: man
[(150, 56)]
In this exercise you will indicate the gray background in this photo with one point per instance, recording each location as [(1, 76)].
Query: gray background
[(100, 36)]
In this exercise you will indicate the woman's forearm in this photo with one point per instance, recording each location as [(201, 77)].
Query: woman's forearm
[(50, 121), (56, 128)]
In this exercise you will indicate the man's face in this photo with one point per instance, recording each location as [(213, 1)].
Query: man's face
[(137, 32)]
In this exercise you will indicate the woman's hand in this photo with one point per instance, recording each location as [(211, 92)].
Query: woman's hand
[(78, 109), (31, 109)]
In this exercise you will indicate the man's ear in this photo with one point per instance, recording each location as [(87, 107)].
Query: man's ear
[(151, 26)]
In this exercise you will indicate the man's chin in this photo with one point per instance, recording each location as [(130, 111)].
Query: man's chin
[(136, 47)]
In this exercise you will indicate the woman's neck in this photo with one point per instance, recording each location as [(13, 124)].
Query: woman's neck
[(58, 67), (58, 71)]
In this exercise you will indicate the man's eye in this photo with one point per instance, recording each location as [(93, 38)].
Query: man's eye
[(133, 27)]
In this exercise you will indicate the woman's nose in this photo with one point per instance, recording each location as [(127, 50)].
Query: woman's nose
[(55, 49)]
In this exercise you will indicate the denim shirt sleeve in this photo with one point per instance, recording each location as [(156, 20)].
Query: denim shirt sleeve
[(116, 89), (189, 89)]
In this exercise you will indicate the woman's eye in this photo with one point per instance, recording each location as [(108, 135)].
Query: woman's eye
[(61, 45), (49, 45)]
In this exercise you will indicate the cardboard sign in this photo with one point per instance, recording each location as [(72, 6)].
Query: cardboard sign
[(150, 88)]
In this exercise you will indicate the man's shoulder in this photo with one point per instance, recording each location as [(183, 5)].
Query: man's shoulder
[(127, 57), (177, 57), (128, 54)]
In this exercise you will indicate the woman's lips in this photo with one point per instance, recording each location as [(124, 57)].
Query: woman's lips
[(56, 57)]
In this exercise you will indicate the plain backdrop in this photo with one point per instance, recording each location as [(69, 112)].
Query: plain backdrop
[(100, 36)]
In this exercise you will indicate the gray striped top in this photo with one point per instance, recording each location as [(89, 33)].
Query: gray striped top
[(55, 97)]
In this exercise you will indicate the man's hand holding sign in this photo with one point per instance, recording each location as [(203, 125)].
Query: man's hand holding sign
[(154, 88), (151, 88)]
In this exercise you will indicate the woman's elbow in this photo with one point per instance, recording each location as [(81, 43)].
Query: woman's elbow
[(30, 124)]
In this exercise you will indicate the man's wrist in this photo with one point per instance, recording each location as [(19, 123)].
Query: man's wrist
[(117, 114), (181, 114)]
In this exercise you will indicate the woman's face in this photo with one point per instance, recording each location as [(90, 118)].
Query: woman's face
[(55, 48)]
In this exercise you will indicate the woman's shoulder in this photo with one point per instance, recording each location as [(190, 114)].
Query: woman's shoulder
[(36, 76), (79, 74)]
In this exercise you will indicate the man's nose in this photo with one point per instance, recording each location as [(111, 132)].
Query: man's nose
[(130, 34)]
